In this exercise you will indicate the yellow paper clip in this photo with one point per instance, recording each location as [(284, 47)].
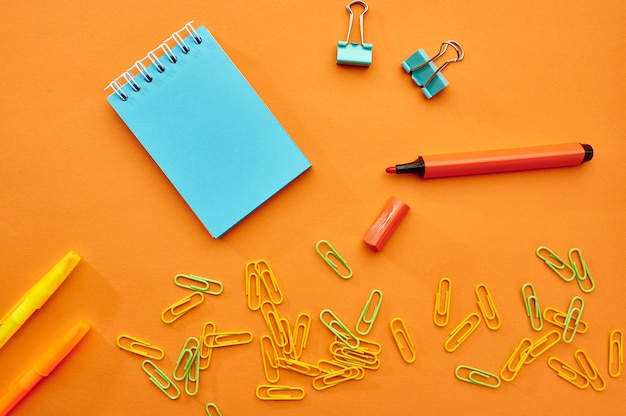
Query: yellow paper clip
[(487, 307), (161, 380), (253, 286), (531, 303), (288, 348), (574, 313), (558, 265), (228, 338), (442, 315), (327, 380), (206, 348), (516, 360), (471, 321), (582, 273), (307, 369), (300, 334), (340, 329), (616, 352), (590, 370), (269, 355), (361, 357), (139, 347), (273, 392), (478, 377), (270, 283), (368, 315), (557, 317), (342, 269), (543, 344), (274, 323), (403, 340), (213, 406), (187, 282), (181, 307), (568, 373)]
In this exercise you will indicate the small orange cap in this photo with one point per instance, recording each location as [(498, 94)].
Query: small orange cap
[(388, 220)]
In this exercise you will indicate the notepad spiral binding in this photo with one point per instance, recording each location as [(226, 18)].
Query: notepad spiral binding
[(140, 69)]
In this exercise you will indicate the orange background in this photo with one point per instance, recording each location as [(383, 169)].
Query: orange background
[(73, 177)]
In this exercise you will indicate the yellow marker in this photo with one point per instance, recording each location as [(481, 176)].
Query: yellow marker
[(36, 296)]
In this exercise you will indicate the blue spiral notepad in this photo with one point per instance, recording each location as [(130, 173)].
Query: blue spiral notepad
[(206, 128)]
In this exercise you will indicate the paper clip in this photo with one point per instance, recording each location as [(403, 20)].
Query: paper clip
[(360, 357), (424, 72), (272, 392), (339, 329), (568, 373), (213, 406), (300, 334), (590, 370), (542, 345), (270, 283), (531, 303), (301, 367), (161, 380), (516, 360), (574, 312), (206, 348), (489, 311), (228, 338), (346, 271), (616, 352), (253, 286), (558, 265), (139, 347), (181, 307), (352, 53), (205, 288), (368, 315), (327, 380), (274, 323), (288, 348), (471, 321), (269, 355), (476, 376), (444, 285), (403, 340), (557, 317), (188, 355), (581, 274)]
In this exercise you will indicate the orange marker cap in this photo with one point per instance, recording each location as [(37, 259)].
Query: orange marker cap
[(388, 220)]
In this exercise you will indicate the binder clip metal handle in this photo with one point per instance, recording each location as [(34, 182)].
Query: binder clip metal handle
[(424, 72), (352, 53)]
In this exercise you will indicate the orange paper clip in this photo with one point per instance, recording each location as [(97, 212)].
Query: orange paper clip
[(139, 347)]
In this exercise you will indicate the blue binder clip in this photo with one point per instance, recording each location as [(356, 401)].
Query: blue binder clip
[(426, 74), (353, 53)]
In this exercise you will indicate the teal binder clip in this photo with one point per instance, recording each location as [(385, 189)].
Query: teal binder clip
[(425, 73), (353, 53)]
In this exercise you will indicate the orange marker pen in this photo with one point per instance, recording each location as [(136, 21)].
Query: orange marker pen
[(42, 366), (496, 161)]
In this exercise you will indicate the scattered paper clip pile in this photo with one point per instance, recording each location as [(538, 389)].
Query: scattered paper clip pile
[(569, 323)]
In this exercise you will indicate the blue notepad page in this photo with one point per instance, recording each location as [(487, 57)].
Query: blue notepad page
[(210, 133)]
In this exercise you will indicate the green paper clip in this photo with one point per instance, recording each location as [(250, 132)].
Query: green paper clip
[(574, 312), (213, 406), (204, 288), (533, 310), (477, 377), (340, 329), (581, 274), (327, 256), (352, 53), (367, 318), (161, 380), (558, 266)]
